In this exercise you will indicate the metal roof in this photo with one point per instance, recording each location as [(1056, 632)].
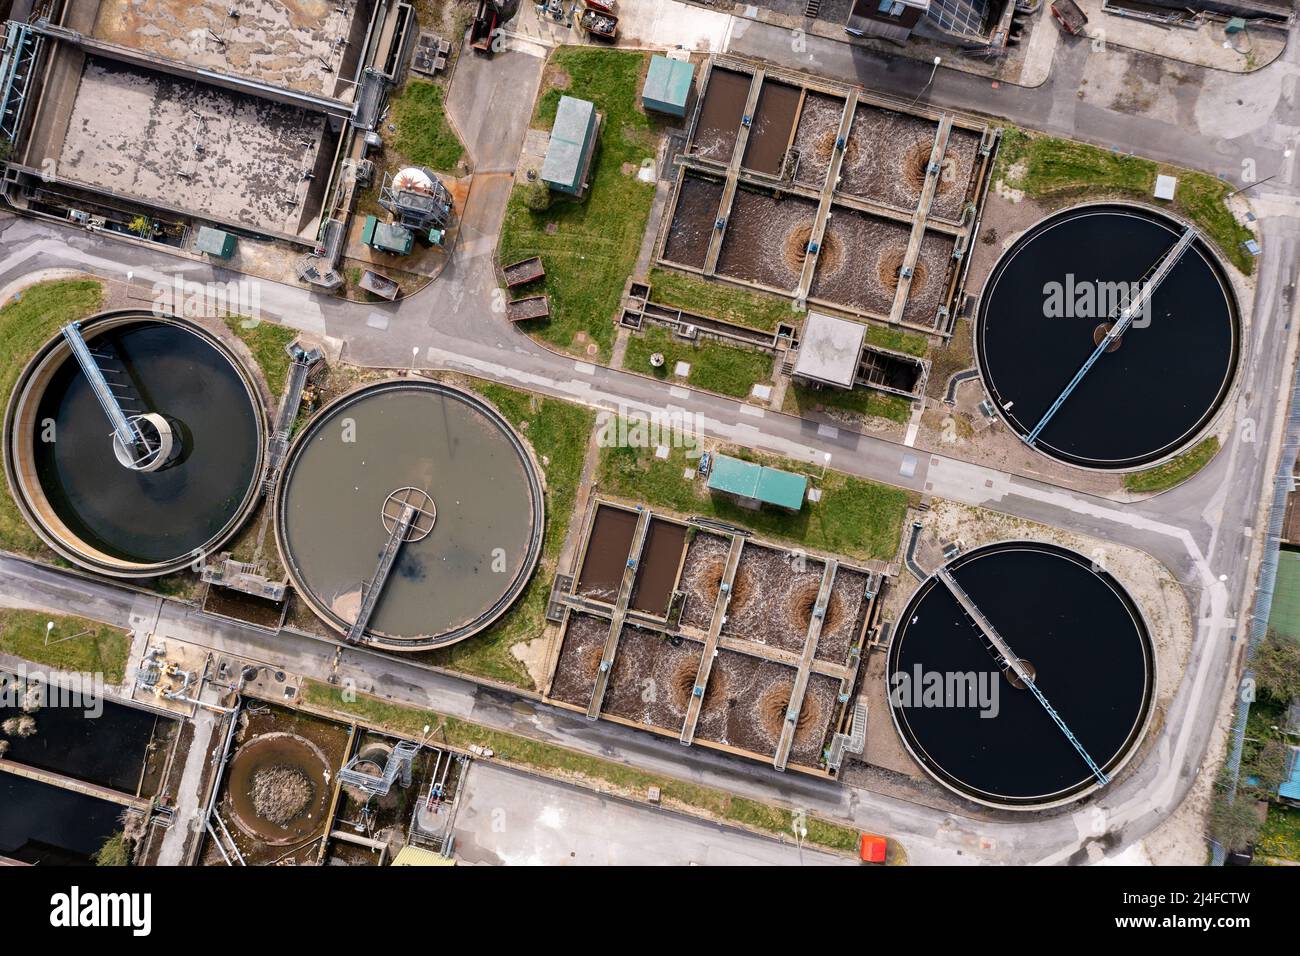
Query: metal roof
[(1290, 788), (1284, 617), (749, 480), (668, 81), (829, 349), (565, 155)]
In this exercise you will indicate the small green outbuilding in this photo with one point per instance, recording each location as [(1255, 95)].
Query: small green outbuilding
[(667, 85)]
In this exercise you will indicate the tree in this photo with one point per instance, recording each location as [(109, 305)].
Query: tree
[(116, 851), (1277, 667), (537, 196), (1269, 767), (1234, 824)]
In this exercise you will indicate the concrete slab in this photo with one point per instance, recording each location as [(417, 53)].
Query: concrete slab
[(506, 817), (308, 45), (222, 155)]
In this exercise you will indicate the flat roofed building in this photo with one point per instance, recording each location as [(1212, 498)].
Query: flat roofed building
[(890, 19), (573, 140), (757, 483), (829, 350)]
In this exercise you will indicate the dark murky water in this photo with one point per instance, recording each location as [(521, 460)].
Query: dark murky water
[(168, 513), (49, 825), (1081, 634), (1153, 393)]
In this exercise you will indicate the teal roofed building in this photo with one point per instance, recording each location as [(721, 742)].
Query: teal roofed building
[(753, 483), (567, 165), (667, 85)]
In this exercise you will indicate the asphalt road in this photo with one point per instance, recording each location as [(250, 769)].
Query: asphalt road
[(1203, 531)]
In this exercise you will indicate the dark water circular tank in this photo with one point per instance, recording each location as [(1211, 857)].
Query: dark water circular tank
[(1080, 634), (68, 481), (1039, 319)]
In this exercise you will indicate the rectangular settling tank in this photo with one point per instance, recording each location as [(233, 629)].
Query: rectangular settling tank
[(886, 156), (719, 122), (859, 261), (612, 531), (698, 199), (652, 678), (767, 238), (769, 135), (660, 559), (814, 140)]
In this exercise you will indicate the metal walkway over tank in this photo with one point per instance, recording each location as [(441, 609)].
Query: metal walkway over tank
[(127, 433), (411, 522), (1008, 660), (1121, 322)]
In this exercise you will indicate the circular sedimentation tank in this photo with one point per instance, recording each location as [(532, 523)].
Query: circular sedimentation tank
[(1048, 304), (478, 528), (279, 788), (67, 472), (981, 732)]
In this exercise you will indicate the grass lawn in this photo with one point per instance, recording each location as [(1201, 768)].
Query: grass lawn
[(267, 342), (856, 518), (424, 136), (904, 342), (756, 310), (1045, 167), (1174, 471), (799, 400), (102, 650), (26, 323), (558, 432), (589, 246), (1281, 834), (553, 760), (715, 366)]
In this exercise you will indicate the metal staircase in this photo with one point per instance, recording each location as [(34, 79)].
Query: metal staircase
[(397, 766)]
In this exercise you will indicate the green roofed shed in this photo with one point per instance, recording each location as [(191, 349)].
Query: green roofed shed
[(573, 139), (215, 242), (744, 479), (667, 85), (1284, 616)]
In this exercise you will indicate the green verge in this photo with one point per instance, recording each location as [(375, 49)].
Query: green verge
[(267, 341), (755, 310), (1175, 471), (558, 432), (100, 650), (552, 760), (1046, 167), (26, 323), (589, 246), (905, 342), (1280, 837), (424, 136), (855, 517), (799, 400), (715, 366)]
